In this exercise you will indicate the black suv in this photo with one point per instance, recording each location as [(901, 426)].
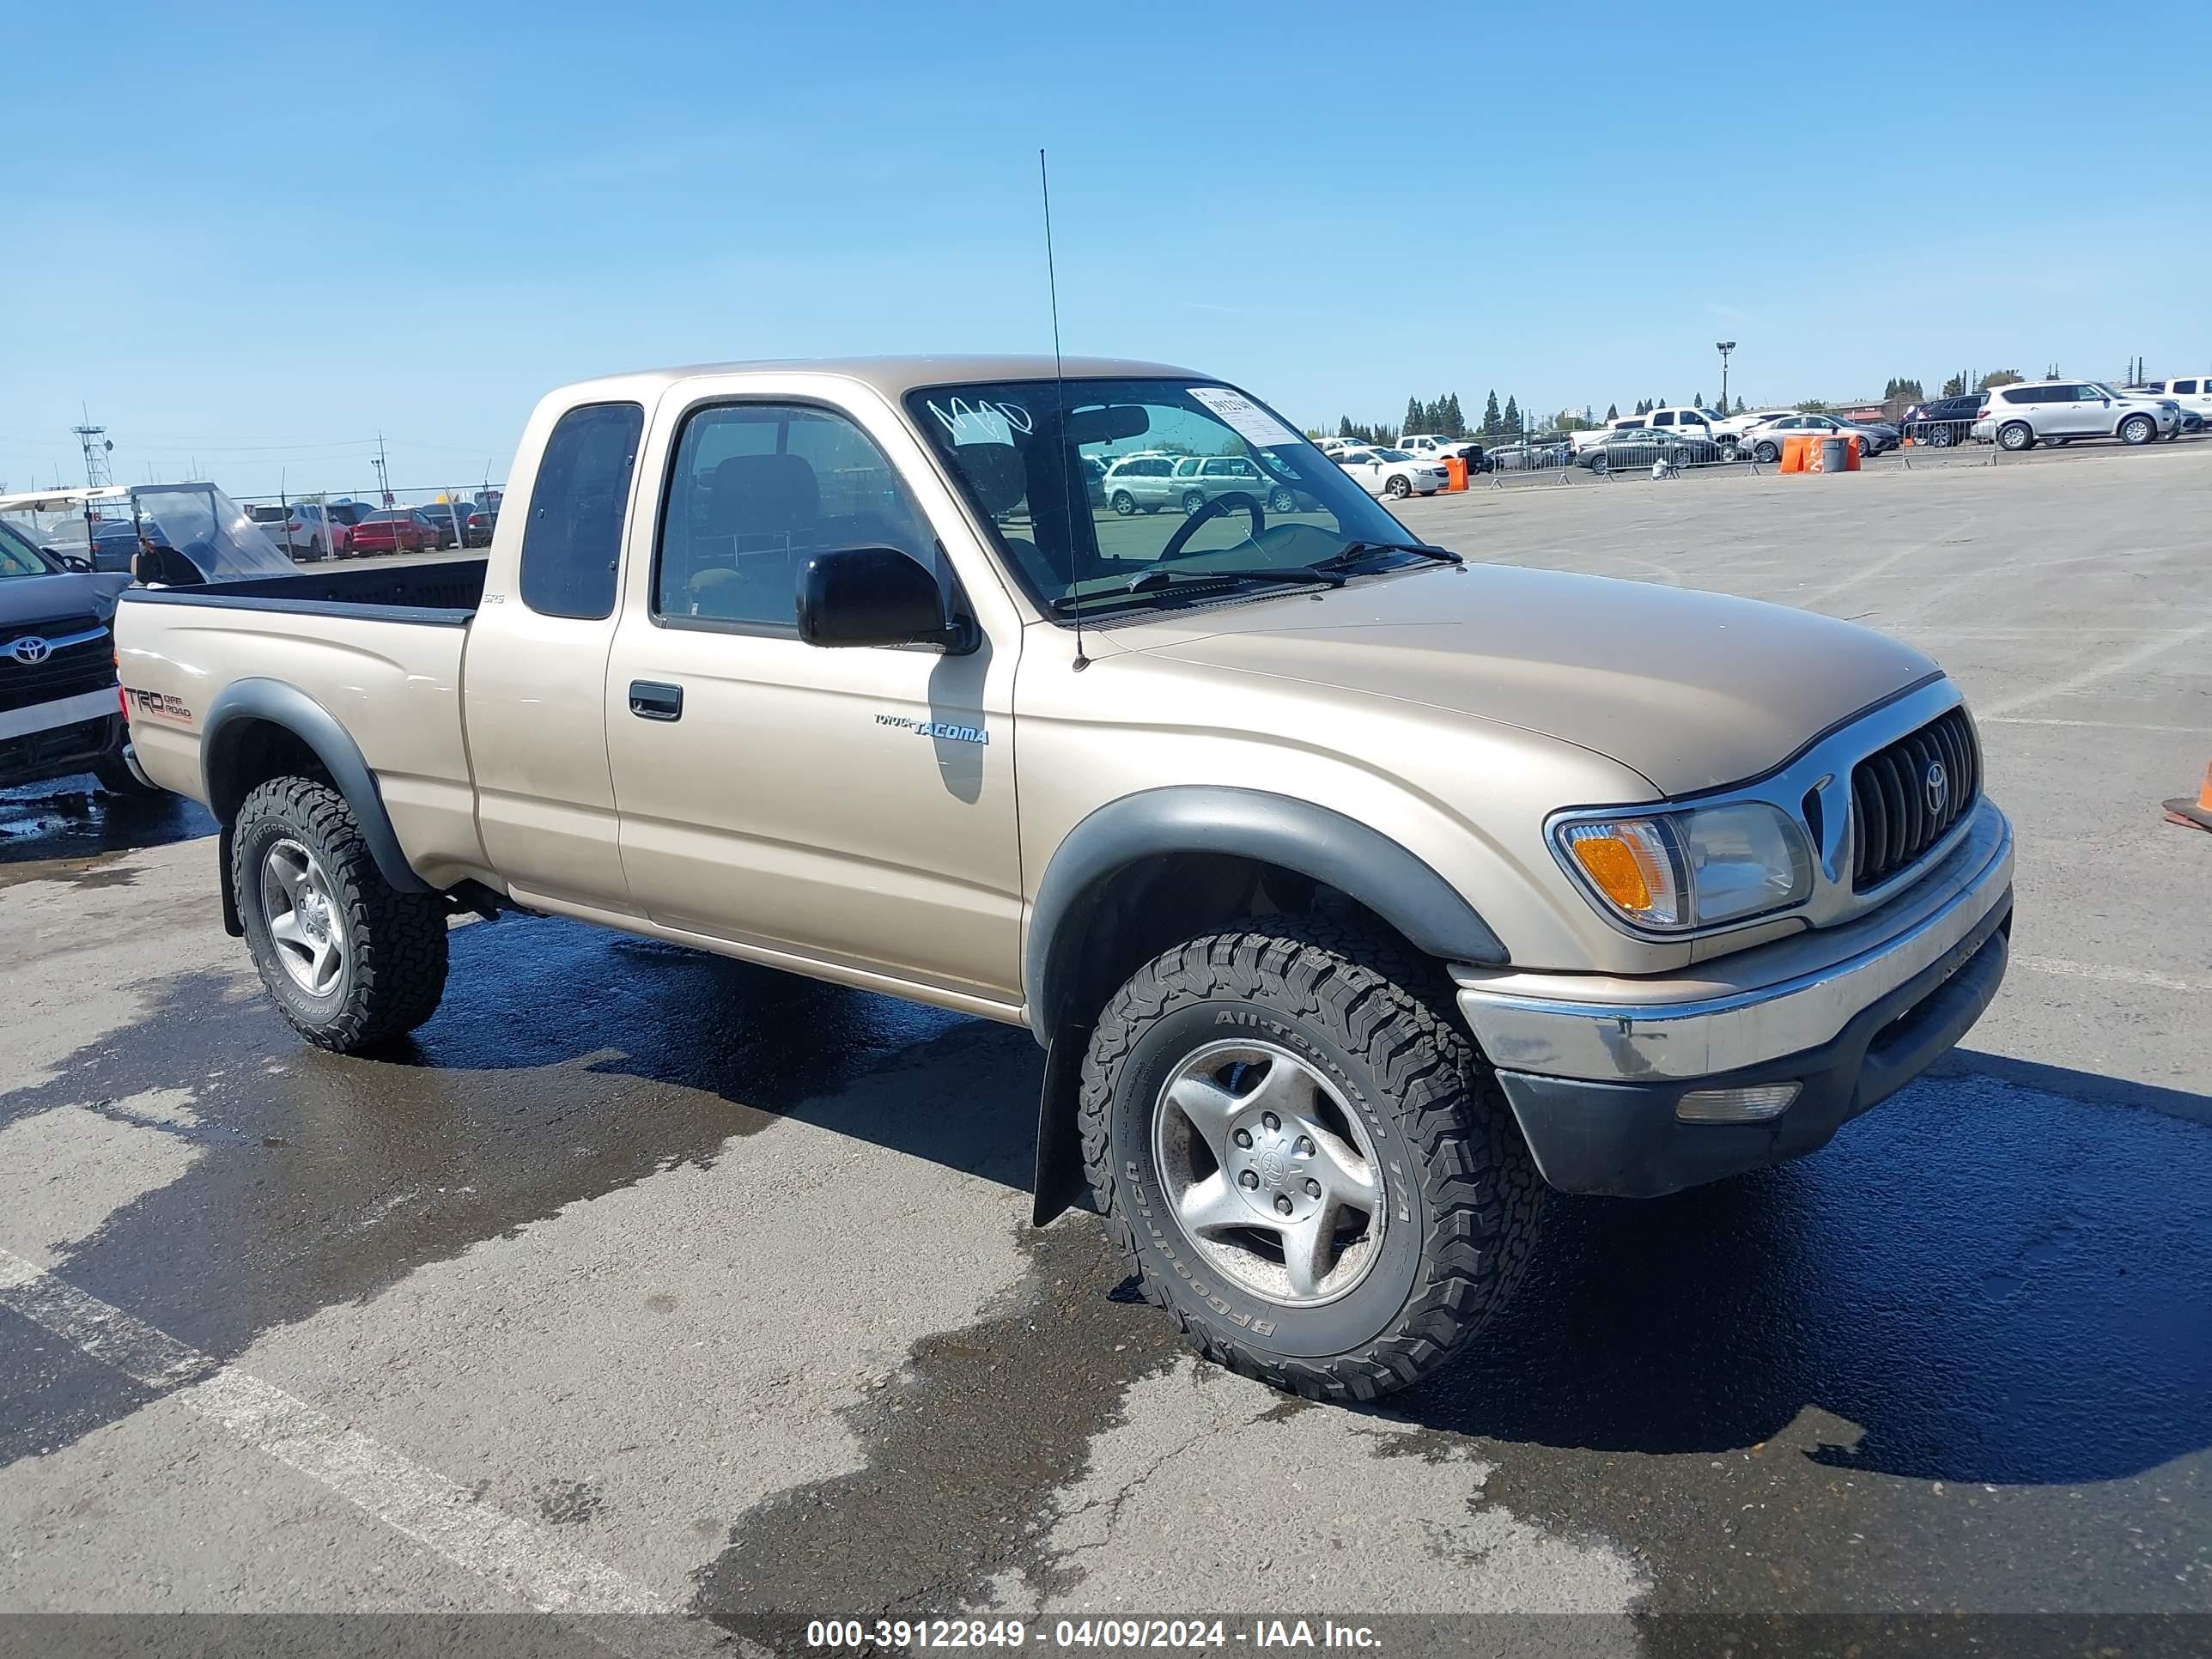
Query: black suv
[(1942, 421), (60, 713)]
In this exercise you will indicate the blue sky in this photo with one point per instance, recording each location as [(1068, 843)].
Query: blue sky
[(255, 237)]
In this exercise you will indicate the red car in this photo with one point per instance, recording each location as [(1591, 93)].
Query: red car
[(397, 530)]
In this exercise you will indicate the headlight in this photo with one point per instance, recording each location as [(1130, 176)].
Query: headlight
[(1674, 872)]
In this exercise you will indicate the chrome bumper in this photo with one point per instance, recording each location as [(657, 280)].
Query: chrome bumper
[(1744, 1010)]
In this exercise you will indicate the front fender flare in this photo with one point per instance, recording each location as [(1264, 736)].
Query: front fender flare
[(1356, 858)]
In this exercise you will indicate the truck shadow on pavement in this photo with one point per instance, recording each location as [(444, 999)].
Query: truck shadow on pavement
[(1990, 1279)]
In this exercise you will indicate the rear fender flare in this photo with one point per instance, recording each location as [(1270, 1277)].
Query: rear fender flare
[(243, 702)]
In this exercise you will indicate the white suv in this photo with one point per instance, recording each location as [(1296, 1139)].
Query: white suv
[(2021, 416), (2190, 392)]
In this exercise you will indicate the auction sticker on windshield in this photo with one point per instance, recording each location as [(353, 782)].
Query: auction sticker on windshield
[(1243, 416)]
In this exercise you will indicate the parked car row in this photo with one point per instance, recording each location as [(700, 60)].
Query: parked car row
[(310, 530)]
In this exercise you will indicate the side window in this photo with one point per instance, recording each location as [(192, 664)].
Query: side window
[(574, 539), (758, 488), (2185, 388), (1666, 418)]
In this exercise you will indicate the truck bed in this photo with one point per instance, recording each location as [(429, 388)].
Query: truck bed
[(443, 592)]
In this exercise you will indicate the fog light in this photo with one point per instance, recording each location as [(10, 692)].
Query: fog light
[(1747, 1105)]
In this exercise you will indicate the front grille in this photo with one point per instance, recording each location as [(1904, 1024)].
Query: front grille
[(1893, 809), (69, 670)]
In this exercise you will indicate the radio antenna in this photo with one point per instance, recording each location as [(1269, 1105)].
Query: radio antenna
[(1060, 400)]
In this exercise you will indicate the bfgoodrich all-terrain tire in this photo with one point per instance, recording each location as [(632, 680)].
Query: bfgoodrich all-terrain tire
[(1303, 1159), (349, 960)]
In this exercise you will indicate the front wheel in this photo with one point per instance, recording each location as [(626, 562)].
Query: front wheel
[(1303, 1159), (2138, 429), (1767, 453), (1396, 488), (349, 960)]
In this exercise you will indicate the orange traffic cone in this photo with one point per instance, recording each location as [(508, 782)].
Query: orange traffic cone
[(2199, 811)]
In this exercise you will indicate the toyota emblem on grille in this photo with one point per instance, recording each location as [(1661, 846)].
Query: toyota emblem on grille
[(1939, 788), (30, 650)]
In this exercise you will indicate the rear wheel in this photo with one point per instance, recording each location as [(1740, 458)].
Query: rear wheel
[(2138, 429), (1303, 1159), (1191, 501), (2015, 435), (1281, 502), (1941, 438), (349, 960), (1124, 503)]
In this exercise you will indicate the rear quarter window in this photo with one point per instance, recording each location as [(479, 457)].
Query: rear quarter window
[(572, 541)]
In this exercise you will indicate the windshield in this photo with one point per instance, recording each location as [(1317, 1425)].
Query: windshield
[(1284, 507), (1394, 454), (210, 529), (18, 558)]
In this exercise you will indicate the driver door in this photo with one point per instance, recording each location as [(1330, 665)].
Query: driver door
[(853, 808)]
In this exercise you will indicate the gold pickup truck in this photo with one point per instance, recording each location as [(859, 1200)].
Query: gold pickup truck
[(1356, 892)]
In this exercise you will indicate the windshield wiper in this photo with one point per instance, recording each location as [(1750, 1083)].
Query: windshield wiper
[(1354, 552), (1146, 582), (1157, 581)]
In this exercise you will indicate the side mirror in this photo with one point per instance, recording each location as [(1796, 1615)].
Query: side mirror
[(874, 596)]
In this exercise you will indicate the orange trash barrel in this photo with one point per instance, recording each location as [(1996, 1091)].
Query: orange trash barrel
[(1792, 454), (1455, 473), (1853, 444)]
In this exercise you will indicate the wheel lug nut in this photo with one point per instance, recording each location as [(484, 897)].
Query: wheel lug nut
[(1271, 1120), (1243, 1137), (1282, 1203), (1313, 1189), (1248, 1178), (1305, 1148)]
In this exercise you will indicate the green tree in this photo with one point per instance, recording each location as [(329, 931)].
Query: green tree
[(1512, 415), (1698, 402), (1492, 422), (1613, 411), (1739, 403), (1413, 414), (1454, 422), (1344, 428), (1998, 377)]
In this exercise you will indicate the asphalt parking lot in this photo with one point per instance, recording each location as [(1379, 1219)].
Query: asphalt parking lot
[(644, 1280)]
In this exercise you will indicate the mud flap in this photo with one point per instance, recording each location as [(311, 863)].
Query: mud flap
[(1059, 1183)]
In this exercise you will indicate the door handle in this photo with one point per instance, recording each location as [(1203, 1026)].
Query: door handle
[(650, 699)]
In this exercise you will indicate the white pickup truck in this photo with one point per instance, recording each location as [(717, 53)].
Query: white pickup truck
[(1355, 891)]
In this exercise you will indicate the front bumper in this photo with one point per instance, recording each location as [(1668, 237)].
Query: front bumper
[(1594, 1066)]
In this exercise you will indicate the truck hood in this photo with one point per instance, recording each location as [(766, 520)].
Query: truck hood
[(1692, 689), (47, 599)]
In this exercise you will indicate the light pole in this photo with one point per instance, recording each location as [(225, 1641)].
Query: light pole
[(1724, 347)]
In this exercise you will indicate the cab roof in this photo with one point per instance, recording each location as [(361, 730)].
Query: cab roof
[(894, 377)]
